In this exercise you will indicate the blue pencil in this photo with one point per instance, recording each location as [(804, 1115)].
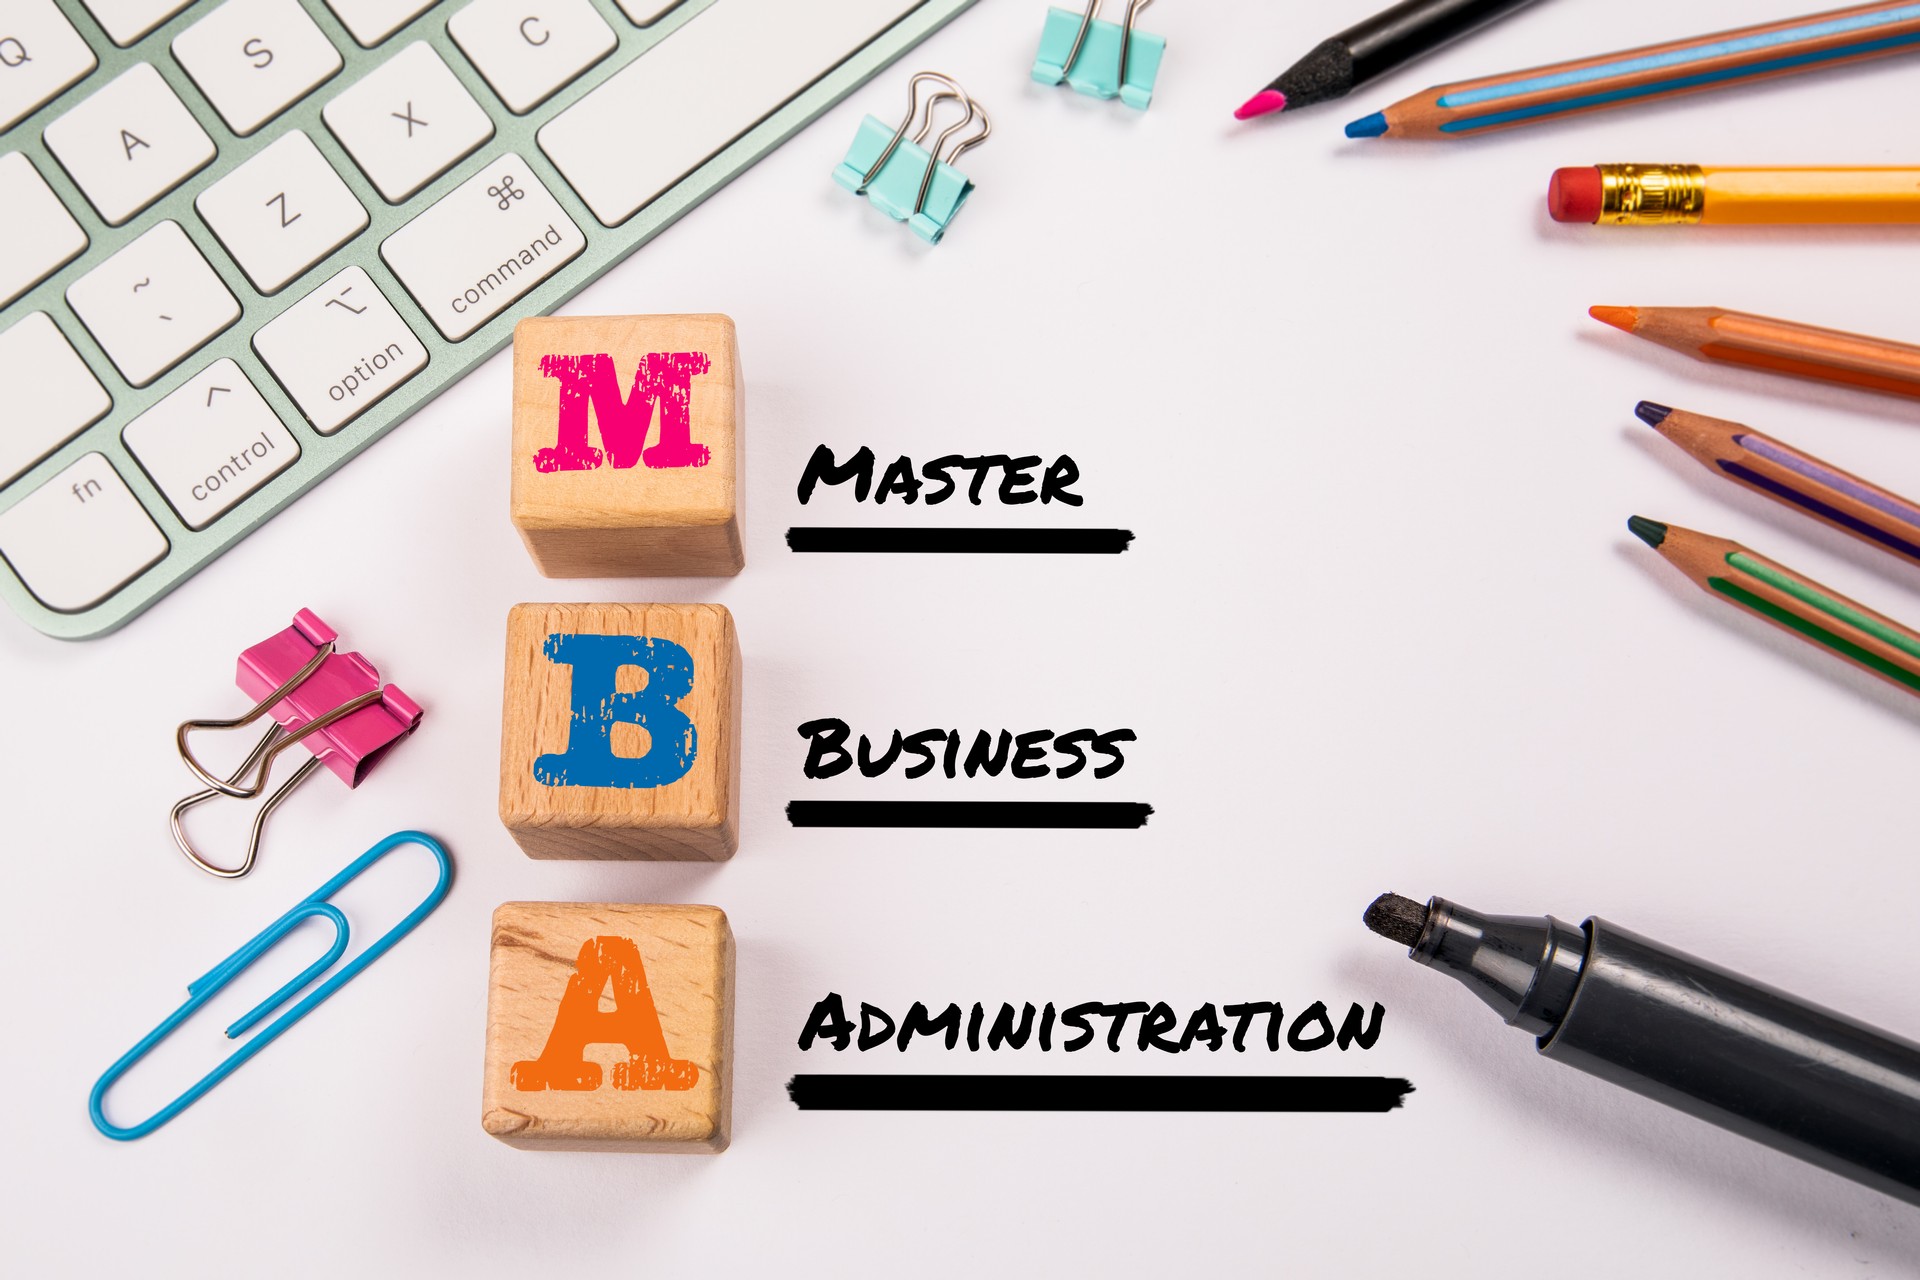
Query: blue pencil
[(1657, 71)]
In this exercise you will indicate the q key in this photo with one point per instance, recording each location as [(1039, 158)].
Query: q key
[(40, 54)]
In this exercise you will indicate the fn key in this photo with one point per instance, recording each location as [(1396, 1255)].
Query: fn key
[(79, 537)]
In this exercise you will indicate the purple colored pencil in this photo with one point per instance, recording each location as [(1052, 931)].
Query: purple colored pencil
[(1768, 466)]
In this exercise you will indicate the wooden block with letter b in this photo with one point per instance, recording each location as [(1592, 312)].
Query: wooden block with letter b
[(620, 734), (609, 1027), (626, 445)]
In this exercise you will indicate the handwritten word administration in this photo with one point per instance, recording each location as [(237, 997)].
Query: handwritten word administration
[(1134, 1024)]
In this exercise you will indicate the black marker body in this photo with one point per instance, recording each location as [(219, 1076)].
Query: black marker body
[(1750, 1058), (1387, 40)]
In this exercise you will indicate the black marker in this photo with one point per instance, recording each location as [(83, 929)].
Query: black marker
[(1768, 1066), (1382, 43)]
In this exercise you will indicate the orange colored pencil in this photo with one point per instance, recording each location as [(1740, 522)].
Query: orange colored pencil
[(1819, 615), (1720, 336)]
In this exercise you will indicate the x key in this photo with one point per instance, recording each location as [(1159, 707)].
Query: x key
[(409, 117), (399, 162)]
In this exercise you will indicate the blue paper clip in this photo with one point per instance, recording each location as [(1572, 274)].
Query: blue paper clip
[(207, 987), (901, 176), (1118, 61)]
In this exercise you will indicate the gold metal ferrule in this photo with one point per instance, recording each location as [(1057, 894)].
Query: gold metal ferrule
[(1642, 194)]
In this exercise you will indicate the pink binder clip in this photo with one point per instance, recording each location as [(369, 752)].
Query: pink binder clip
[(333, 702)]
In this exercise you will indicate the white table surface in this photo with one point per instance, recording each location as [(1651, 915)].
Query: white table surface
[(1383, 628)]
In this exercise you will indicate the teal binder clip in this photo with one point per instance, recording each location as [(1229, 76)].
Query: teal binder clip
[(904, 178), (1100, 59), (216, 979)]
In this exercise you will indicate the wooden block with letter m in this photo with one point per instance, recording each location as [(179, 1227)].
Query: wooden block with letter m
[(620, 734), (626, 445), (609, 1027)]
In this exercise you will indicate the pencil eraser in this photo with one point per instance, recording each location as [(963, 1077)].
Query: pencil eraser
[(1574, 195)]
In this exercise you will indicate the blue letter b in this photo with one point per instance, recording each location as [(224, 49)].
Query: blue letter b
[(598, 705)]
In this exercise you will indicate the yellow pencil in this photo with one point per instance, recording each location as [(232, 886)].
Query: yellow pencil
[(1625, 195)]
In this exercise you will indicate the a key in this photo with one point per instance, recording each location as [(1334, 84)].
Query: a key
[(80, 537), (40, 54), (127, 20), (371, 21), (644, 13), (210, 443), (340, 350), (129, 144), (528, 52), (153, 303), (41, 236), (407, 121), (281, 212), (51, 394), (482, 245), (696, 91), (255, 58)]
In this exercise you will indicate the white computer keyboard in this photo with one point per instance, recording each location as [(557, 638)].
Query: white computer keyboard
[(242, 239)]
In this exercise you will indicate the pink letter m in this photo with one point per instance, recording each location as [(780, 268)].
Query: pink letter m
[(663, 378)]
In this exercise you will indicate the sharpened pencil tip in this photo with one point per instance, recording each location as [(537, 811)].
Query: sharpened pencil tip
[(1262, 103), (1651, 532), (1398, 918), (1650, 413), (1623, 318), (1372, 126)]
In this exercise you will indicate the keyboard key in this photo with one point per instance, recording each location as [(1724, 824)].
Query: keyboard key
[(51, 394), (528, 52), (129, 144), (153, 303), (282, 211), (644, 13), (80, 537), (340, 350), (211, 443), (698, 90), (41, 236), (255, 58), (127, 20), (40, 54), (482, 245), (407, 121), (371, 21)]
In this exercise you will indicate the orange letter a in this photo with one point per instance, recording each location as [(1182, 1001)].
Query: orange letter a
[(633, 1023)]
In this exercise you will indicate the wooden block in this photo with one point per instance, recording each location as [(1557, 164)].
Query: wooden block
[(626, 445), (620, 737), (609, 1028)]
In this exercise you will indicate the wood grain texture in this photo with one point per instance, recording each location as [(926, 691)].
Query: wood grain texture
[(635, 521), (696, 817), (688, 955)]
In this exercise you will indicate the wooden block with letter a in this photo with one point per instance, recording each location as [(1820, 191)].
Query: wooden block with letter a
[(620, 737), (609, 1027), (626, 445)]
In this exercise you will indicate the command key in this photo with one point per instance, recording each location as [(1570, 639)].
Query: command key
[(482, 245)]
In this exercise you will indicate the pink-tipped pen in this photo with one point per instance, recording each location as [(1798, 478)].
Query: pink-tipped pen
[(1262, 103)]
